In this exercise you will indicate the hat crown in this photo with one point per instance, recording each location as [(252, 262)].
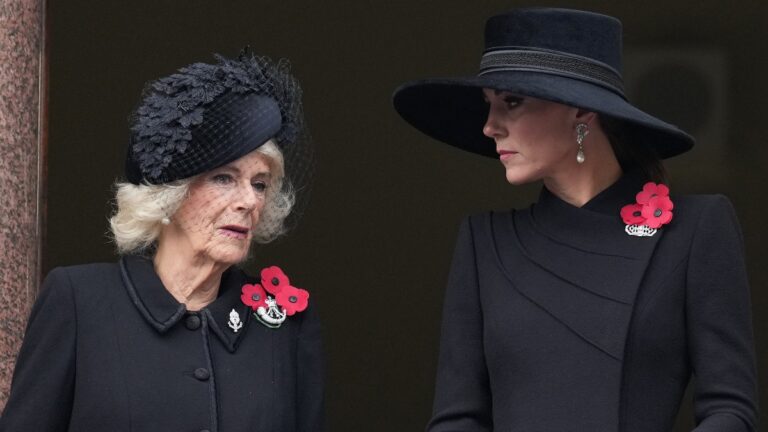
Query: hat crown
[(233, 125), (586, 34), (207, 115), (563, 56)]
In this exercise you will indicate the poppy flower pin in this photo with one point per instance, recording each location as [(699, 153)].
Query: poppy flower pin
[(651, 211), (274, 299)]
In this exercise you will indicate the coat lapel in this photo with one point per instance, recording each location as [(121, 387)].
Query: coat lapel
[(148, 294), (162, 311), (220, 311), (578, 264)]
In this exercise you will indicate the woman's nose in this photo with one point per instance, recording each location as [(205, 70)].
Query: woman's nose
[(247, 198), (493, 128)]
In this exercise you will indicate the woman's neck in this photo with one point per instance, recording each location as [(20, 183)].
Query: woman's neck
[(191, 280), (577, 184)]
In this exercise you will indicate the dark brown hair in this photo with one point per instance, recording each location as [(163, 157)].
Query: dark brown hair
[(632, 149)]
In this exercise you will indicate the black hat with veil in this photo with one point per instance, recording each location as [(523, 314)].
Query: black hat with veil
[(205, 116)]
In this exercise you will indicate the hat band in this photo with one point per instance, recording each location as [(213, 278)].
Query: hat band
[(555, 63)]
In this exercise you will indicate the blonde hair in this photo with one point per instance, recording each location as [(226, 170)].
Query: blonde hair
[(140, 209)]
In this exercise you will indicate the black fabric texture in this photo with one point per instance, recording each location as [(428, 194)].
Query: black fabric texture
[(556, 319), (105, 354)]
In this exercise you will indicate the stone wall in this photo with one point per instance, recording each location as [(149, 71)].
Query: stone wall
[(21, 42)]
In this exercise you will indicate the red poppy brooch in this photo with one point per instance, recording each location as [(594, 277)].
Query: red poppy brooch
[(275, 298), (652, 210)]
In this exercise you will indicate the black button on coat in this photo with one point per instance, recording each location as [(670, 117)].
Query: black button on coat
[(555, 319), (107, 348)]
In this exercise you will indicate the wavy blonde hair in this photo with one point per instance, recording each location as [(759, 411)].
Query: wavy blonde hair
[(140, 209)]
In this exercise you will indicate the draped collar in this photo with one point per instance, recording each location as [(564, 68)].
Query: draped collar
[(162, 311), (595, 226), (577, 263)]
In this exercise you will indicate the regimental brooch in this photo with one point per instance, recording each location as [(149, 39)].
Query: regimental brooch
[(275, 298), (652, 210), (234, 321)]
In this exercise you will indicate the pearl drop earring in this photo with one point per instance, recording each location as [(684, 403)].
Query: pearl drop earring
[(582, 130)]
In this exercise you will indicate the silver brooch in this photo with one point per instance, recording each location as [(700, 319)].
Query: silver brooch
[(271, 316), (640, 230), (234, 321)]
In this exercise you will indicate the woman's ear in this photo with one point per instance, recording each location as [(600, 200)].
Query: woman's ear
[(584, 116)]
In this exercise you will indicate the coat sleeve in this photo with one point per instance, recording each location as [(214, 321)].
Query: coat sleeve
[(719, 323), (43, 381), (310, 374), (462, 391)]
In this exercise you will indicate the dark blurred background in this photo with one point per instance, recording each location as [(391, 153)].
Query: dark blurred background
[(375, 243)]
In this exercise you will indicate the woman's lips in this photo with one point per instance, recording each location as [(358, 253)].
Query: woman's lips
[(506, 154), (235, 231)]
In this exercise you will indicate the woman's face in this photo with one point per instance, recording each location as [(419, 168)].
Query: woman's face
[(535, 138), (216, 220)]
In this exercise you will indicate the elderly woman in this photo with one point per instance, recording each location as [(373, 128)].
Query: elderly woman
[(175, 337), (592, 309)]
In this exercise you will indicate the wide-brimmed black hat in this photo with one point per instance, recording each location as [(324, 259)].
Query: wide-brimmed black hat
[(565, 56)]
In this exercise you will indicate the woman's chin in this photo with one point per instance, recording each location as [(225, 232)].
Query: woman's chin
[(228, 255), (516, 178)]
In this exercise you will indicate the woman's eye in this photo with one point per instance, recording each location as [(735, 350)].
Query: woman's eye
[(222, 178), (512, 101), (260, 186)]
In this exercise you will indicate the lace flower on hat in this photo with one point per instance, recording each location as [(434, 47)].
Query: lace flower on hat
[(173, 105)]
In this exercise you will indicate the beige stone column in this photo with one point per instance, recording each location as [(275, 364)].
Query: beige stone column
[(22, 153)]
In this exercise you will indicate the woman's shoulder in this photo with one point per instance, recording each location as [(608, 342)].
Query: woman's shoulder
[(82, 278), (700, 201), (76, 287), (489, 215), (702, 206), (89, 270), (705, 216), (484, 224)]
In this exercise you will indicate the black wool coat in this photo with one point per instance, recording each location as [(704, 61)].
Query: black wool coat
[(107, 348), (555, 319)]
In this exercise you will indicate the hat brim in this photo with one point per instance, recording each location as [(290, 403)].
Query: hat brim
[(453, 111)]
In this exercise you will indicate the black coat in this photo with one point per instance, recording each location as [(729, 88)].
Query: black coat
[(107, 348), (556, 320)]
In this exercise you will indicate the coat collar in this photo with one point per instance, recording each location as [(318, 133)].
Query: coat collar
[(577, 264), (597, 225), (162, 311)]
